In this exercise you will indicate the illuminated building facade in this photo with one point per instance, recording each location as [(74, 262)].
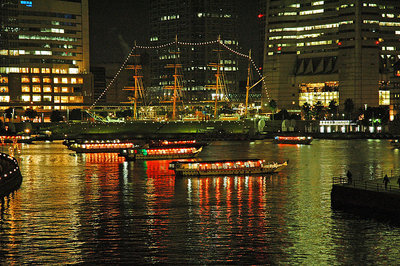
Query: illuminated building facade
[(331, 50), (44, 54), (194, 21)]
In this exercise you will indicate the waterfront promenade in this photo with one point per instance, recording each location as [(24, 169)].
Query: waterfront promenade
[(371, 195)]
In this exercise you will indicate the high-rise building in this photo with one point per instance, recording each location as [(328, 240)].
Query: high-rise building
[(331, 50), (194, 21), (44, 54)]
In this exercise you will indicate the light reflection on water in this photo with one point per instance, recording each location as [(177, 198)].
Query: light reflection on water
[(96, 208)]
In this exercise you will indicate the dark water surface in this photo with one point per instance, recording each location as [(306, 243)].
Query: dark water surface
[(96, 208)]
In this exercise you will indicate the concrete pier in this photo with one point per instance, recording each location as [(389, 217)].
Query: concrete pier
[(10, 175), (369, 195)]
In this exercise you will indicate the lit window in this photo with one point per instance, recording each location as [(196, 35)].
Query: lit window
[(73, 80), (3, 79), (80, 80), (311, 12), (46, 70), (318, 3), (25, 89), (64, 80), (56, 99), (35, 70), (35, 80), (76, 99), (5, 99), (384, 97), (25, 80), (36, 89), (36, 98), (46, 80), (26, 98), (56, 89), (64, 99), (47, 98), (3, 89), (64, 90), (46, 89), (56, 80), (73, 71)]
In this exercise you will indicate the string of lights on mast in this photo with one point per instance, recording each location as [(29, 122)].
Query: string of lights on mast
[(176, 42)]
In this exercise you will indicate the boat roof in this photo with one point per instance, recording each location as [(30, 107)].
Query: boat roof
[(219, 161)]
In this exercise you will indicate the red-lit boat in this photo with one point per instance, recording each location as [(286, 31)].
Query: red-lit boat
[(161, 153), (293, 139), (226, 167), (91, 146), (15, 139)]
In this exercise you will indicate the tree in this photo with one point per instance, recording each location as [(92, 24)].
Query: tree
[(56, 116), (31, 114), (348, 107), (319, 110), (333, 108), (273, 105), (9, 112), (306, 110), (282, 115), (375, 116)]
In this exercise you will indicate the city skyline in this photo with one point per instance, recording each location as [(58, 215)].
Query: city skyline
[(45, 55), (323, 51)]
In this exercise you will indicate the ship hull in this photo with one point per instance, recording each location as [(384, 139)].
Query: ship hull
[(133, 157), (235, 171)]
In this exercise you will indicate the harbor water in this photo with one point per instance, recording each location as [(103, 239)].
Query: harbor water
[(97, 208)]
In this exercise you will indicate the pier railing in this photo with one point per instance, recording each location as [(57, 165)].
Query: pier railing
[(372, 185)]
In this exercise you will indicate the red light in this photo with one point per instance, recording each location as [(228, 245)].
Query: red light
[(279, 48), (339, 43), (377, 42), (260, 15)]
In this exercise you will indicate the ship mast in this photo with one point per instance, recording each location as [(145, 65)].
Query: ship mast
[(248, 85), (177, 87), (138, 86), (218, 76)]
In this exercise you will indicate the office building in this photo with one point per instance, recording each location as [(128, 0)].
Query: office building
[(331, 50), (44, 55), (194, 22)]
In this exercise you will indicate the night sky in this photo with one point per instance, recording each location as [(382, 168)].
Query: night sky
[(115, 25)]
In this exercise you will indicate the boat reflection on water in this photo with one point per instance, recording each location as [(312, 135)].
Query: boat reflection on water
[(249, 189), (159, 168), (102, 158), (395, 143)]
